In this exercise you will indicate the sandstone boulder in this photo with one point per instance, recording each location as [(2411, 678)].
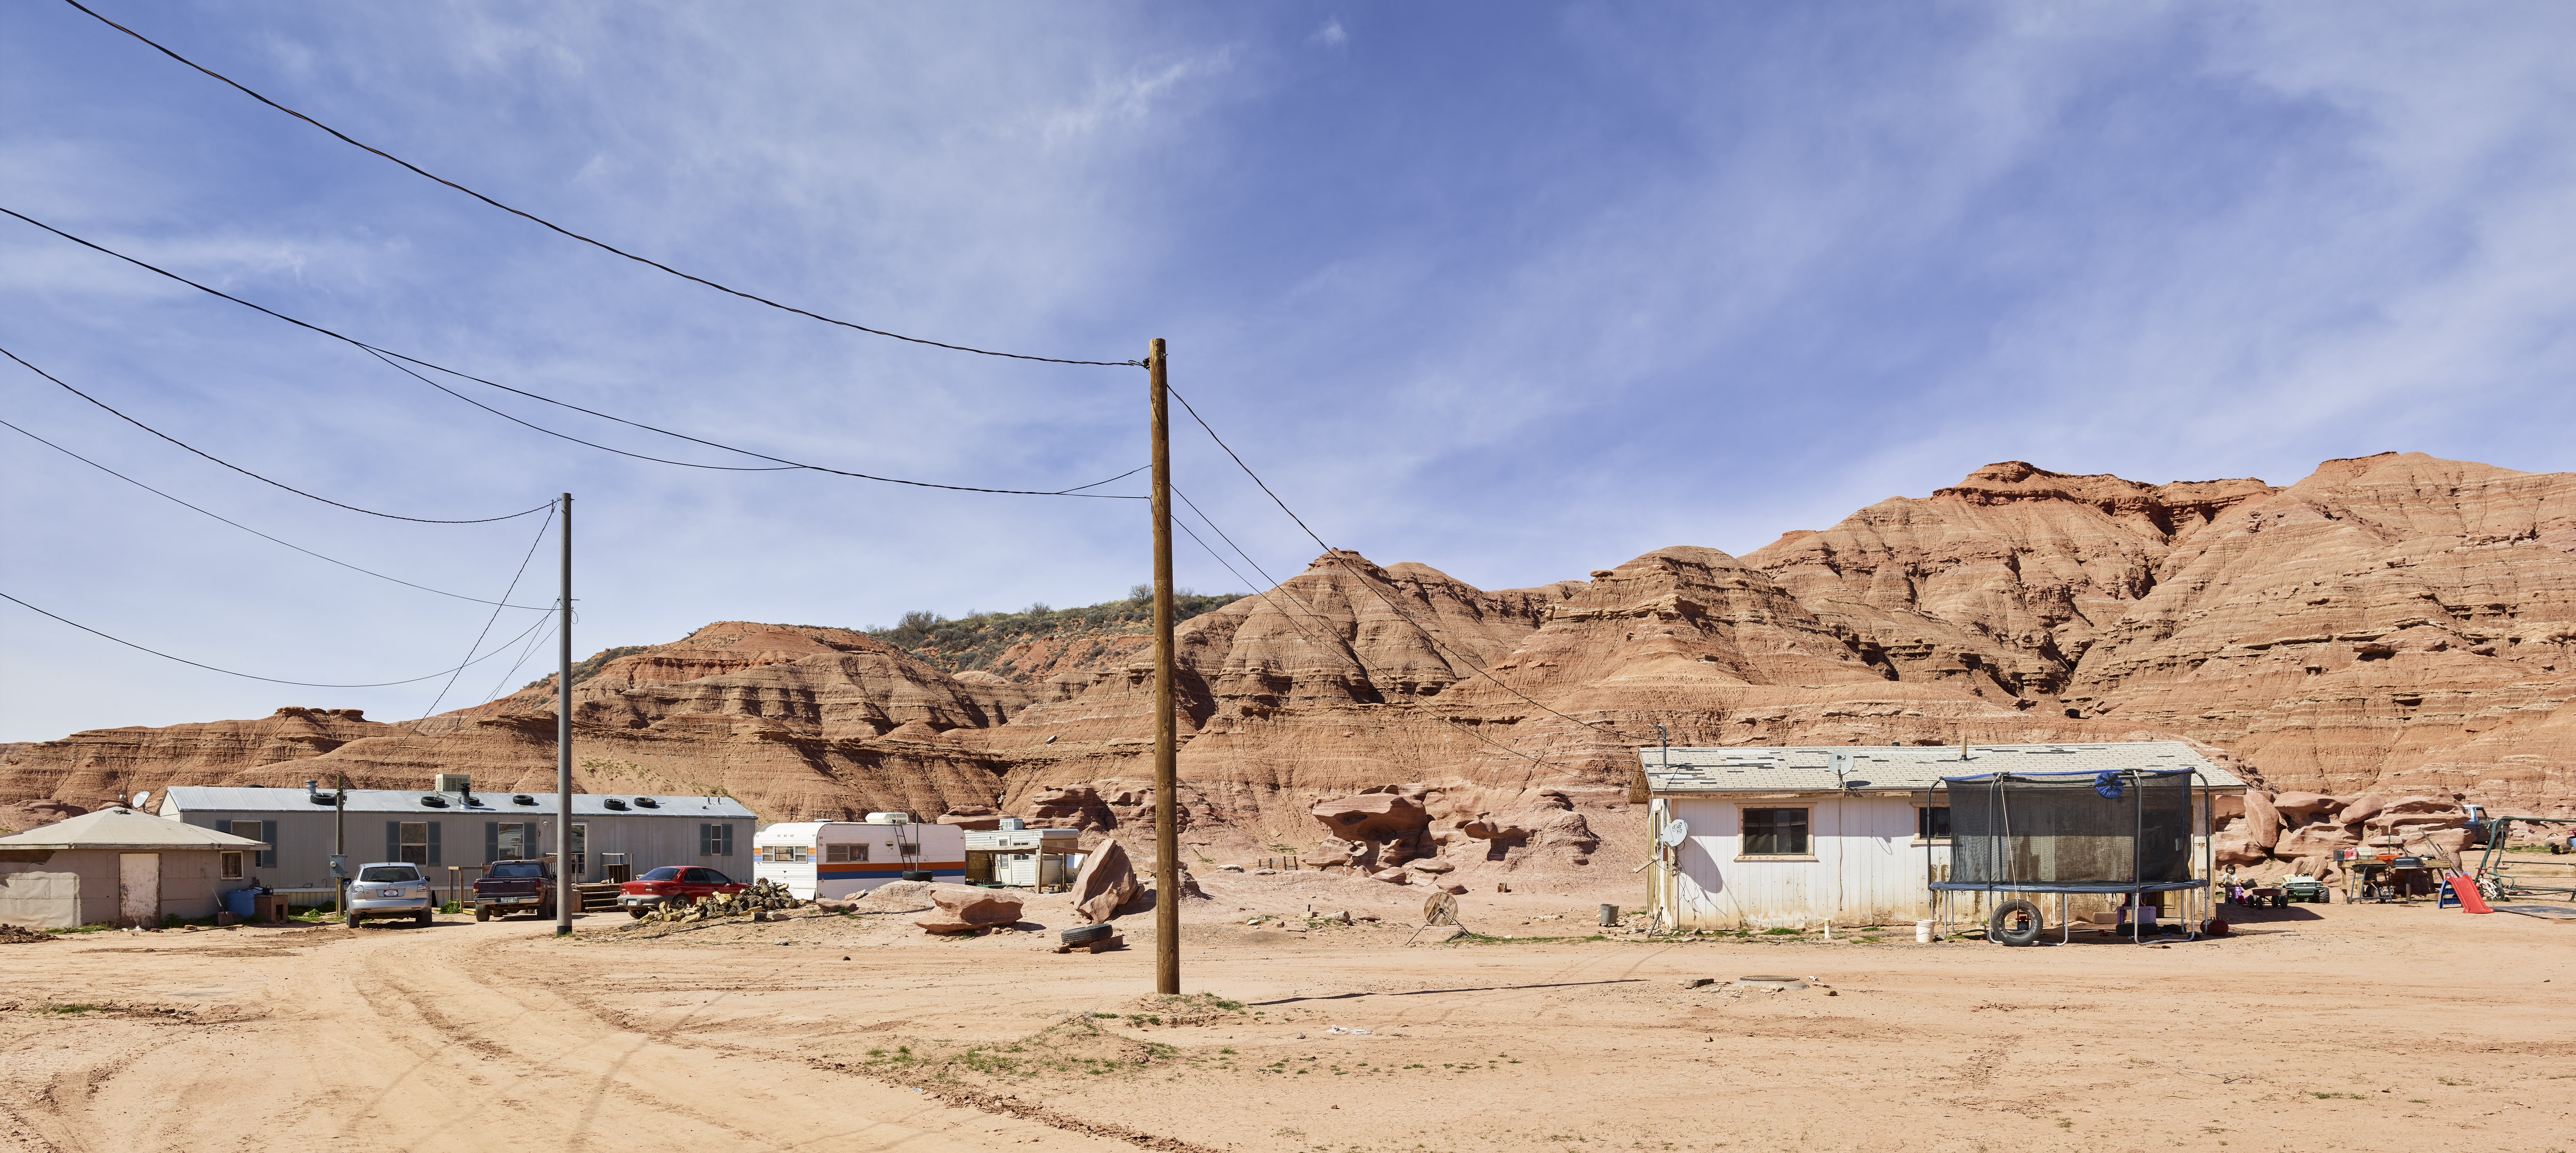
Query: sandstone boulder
[(2296, 808), (1392, 876), (2234, 848), (1373, 816), (2315, 840), (2362, 808), (2262, 823), (1431, 866), (961, 910), (1107, 881)]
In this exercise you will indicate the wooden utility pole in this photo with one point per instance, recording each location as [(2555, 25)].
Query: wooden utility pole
[(1167, 834), (564, 900)]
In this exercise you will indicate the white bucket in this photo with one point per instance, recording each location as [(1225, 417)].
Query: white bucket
[(1922, 932)]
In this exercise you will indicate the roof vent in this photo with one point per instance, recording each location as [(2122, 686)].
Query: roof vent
[(647, 803), (614, 803), (522, 799), (433, 800)]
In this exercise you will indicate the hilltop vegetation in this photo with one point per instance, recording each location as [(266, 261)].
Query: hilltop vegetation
[(978, 639)]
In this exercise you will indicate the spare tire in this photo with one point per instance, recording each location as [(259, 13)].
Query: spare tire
[(2014, 923), (916, 874), (1084, 934)]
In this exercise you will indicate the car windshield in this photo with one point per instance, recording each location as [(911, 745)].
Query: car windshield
[(519, 869), (665, 873), (378, 874)]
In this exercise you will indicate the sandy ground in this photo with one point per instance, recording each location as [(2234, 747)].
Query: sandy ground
[(2341, 1027)]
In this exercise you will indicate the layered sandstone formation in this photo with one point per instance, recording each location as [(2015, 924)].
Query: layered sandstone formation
[(2395, 626)]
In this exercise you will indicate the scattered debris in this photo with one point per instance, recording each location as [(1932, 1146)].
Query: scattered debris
[(18, 935), (760, 896)]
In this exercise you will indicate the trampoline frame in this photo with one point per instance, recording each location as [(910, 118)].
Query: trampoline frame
[(2200, 806)]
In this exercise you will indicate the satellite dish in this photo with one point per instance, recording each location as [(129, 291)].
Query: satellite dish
[(140, 797), (1674, 832)]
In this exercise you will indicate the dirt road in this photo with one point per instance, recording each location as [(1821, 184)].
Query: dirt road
[(2335, 1028)]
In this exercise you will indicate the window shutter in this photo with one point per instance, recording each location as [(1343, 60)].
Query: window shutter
[(268, 833), (724, 840), (393, 841), (433, 842), (491, 841), (706, 841)]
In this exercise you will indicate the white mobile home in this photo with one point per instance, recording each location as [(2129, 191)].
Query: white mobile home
[(1023, 858), (828, 859), (1841, 835)]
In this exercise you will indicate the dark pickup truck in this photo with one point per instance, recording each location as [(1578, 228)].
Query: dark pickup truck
[(515, 887)]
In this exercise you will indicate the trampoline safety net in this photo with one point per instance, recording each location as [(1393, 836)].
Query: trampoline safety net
[(2119, 828)]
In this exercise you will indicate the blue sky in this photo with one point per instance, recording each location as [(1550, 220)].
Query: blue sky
[(1515, 290)]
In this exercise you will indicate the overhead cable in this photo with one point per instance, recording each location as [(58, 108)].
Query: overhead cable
[(382, 353), (489, 621), (247, 528), (1337, 557), (247, 472), (540, 623), (561, 230)]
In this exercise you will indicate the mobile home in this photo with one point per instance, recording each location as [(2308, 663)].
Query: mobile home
[(1023, 858), (822, 859), (1842, 835), (454, 832)]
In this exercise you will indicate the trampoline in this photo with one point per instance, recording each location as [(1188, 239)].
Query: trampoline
[(2062, 834)]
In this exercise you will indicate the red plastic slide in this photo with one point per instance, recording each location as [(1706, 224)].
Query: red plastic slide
[(2464, 889)]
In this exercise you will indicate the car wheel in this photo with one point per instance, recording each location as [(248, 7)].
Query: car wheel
[(482, 912), (635, 911), (1084, 934), (2014, 923), (353, 920), (424, 916)]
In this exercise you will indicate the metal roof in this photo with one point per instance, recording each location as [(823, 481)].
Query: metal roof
[(122, 828), (211, 799), (1900, 768)]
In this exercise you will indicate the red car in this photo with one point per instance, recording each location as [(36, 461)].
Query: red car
[(673, 885)]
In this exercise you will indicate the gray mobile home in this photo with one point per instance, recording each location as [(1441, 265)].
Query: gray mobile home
[(458, 828)]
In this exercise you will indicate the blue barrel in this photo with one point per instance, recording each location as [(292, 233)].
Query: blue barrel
[(242, 903)]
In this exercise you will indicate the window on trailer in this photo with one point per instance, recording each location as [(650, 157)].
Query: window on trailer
[(1931, 823), (844, 854), (232, 865), (1775, 832), (786, 854)]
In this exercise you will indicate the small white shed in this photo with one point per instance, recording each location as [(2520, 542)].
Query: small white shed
[(119, 867), (1843, 835)]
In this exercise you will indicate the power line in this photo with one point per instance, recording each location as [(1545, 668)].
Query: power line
[(382, 353), (497, 606), (244, 471), (559, 229), (398, 366), (272, 680), (1336, 556), (247, 528)]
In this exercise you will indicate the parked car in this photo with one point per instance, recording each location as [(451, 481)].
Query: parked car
[(391, 889), (673, 885), (515, 887)]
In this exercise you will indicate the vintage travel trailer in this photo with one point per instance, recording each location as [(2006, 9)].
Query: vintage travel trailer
[(817, 859)]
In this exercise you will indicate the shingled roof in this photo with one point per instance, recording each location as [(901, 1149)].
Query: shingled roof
[(1900, 768)]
